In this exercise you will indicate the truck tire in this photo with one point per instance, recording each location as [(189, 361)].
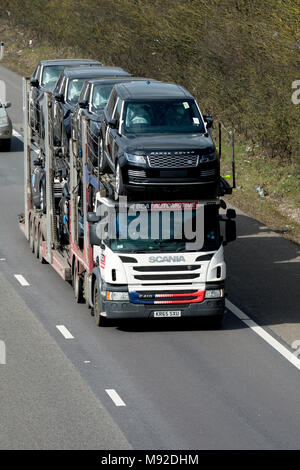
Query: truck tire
[(31, 235), (36, 245), (40, 239), (78, 286), (96, 310)]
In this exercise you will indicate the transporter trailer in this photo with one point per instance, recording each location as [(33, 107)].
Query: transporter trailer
[(125, 259)]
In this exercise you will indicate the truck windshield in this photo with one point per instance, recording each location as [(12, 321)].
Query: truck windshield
[(164, 231), (50, 76), (162, 116), (74, 89), (100, 97)]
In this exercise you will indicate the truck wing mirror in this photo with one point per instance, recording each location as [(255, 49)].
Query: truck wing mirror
[(92, 217), (230, 230), (94, 239), (230, 214), (34, 82)]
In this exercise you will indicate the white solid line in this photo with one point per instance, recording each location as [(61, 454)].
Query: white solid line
[(21, 280), (264, 335), (115, 397), (17, 134), (64, 331)]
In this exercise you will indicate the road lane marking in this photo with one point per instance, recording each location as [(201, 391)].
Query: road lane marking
[(115, 397), (17, 134), (264, 335), (65, 332), (21, 280)]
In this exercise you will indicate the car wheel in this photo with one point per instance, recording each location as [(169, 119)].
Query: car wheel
[(120, 189), (43, 197), (101, 155)]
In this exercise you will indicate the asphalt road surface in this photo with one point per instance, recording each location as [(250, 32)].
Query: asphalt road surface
[(145, 385)]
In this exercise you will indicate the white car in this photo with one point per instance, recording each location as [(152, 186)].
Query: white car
[(5, 127)]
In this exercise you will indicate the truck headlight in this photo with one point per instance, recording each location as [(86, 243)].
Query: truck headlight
[(122, 296), (135, 158), (214, 293)]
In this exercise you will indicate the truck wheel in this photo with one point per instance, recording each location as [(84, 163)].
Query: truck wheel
[(101, 155), (99, 319), (36, 245), (78, 286), (40, 239), (31, 235)]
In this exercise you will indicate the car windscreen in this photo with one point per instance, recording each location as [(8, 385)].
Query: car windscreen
[(74, 89), (100, 96), (162, 116), (50, 76)]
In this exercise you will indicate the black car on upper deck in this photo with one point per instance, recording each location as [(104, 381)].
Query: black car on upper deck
[(91, 103), (66, 93), (154, 136), (44, 78)]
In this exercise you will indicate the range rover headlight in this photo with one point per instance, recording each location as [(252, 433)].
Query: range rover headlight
[(135, 158), (208, 157)]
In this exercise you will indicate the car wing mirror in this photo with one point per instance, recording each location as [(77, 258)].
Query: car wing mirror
[(34, 82), (7, 104)]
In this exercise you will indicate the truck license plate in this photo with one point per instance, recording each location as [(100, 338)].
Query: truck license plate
[(167, 313)]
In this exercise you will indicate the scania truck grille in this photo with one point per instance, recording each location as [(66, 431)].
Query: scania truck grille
[(167, 297), (173, 161)]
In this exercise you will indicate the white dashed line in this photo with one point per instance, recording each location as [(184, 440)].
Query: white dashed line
[(264, 335), (21, 280), (115, 397), (2, 259), (64, 331)]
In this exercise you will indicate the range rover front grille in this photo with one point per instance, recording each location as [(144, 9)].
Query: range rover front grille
[(173, 161)]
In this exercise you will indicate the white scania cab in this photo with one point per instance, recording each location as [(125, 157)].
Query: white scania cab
[(158, 259)]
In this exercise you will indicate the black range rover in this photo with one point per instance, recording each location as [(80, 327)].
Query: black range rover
[(153, 136)]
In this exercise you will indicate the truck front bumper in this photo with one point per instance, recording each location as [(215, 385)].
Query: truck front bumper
[(209, 307)]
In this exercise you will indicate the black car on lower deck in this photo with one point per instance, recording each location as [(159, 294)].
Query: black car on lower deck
[(66, 93), (91, 103), (154, 136), (44, 78)]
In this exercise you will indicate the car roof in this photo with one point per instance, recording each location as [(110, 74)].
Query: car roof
[(94, 72), (151, 90), (69, 62), (95, 81)]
